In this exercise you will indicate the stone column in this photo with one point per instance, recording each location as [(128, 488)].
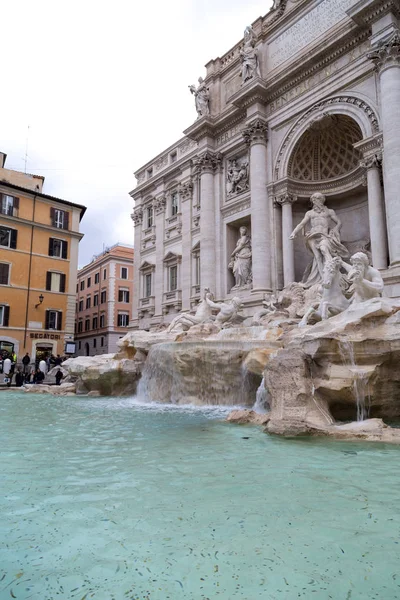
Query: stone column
[(185, 193), (159, 205), (137, 218), (256, 137), (376, 211), (386, 56), (206, 165), (286, 201)]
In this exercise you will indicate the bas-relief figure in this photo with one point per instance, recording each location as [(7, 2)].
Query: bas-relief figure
[(237, 176), (186, 320), (201, 98), (322, 239), (249, 57), (240, 262)]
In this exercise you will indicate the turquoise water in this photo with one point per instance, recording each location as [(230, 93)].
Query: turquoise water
[(108, 499)]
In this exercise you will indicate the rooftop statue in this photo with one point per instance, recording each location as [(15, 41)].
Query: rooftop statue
[(201, 98), (240, 262), (322, 240), (249, 57)]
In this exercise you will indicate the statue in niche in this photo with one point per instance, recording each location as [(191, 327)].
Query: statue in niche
[(201, 98), (249, 57), (203, 313), (322, 240), (237, 177), (240, 262), (228, 311)]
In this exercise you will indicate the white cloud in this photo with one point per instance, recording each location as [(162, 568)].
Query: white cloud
[(103, 88)]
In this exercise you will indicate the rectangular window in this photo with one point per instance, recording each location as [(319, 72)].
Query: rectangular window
[(88, 302), (149, 214), (102, 320), (97, 278), (103, 297), (58, 248), (4, 315), (123, 320), (80, 327), (54, 320), (8, 204), (55, 282), (173, 278), (94, 343), (123, 295), (8, 237), (82, 286), (96, 300), (80, 305), (89, 282), (4, 273), (147, 285), (95, 323), (174, 203), (197, 270), (101, 341), (87, 324), (105, 274), (124, 273), (59, 218), (80, 346)]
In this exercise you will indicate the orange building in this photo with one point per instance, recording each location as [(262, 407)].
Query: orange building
[(104, 301), (39, 239)]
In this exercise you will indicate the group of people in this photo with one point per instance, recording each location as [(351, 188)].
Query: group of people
[(29, 374)]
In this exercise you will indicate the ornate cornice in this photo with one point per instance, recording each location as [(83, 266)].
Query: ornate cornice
[(365, 12), (256, 132), (207, 162), (372, 162), (387, 54)]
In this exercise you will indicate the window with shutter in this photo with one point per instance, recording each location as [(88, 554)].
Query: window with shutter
[(4, 273), (58, 248), (8, 237), (54, 320), (7, 205), (4, 315), (62, 283)]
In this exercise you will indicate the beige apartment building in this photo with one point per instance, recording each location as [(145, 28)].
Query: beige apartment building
[(104, 301)]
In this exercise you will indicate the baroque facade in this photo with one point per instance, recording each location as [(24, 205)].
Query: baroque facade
[(308, 101)]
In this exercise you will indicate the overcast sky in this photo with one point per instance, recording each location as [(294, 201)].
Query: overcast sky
[(103, 87)]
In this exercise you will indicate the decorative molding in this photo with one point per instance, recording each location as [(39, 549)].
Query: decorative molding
[(286, 198), (159, 204), (231, 210), (256, 132), (386, 54), (319, 107), (137, 215), (185, 190), (207, 162), (305, 189)]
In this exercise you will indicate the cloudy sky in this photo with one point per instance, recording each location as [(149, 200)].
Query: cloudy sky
[(98, 88)]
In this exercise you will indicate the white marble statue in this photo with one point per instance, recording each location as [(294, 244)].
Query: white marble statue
[(249, 57), (269, 308), (228, 311), (240, 262), (201, 98), (365, 281), (237, 177), (322, 240), (203, 313)]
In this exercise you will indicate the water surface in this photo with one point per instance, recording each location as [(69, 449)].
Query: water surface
[(110, 499)]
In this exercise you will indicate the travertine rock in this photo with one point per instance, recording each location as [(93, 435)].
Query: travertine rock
[(57, 390), (104, 374), (243, 417)]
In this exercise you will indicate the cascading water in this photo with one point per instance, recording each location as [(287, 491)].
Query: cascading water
[(262, 403), (360, 379)]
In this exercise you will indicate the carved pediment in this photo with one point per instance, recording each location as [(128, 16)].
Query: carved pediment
[(147, 266), (172, 257)]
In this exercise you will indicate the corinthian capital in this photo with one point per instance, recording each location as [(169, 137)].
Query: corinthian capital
[(186, 190), (159, 204), (372, 162), (207, 162), (137, 215), (285, 199), (387, 54), (256, 132)]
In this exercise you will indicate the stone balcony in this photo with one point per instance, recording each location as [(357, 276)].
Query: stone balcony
[(172, 301)]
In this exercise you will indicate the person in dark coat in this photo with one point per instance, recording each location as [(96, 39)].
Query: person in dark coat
[(59, 376), (19, 378), (25, 361), (38, 377), (58, 361)]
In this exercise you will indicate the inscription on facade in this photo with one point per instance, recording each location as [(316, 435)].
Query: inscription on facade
[(322, 75), (227, 135), (317, 22)]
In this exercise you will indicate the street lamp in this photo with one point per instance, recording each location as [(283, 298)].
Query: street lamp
[(41, 298)]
